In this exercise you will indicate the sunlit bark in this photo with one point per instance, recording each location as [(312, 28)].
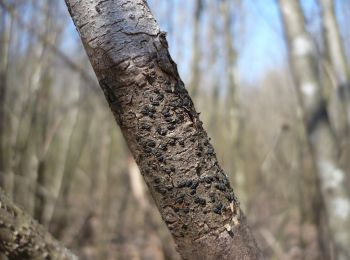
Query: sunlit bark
[(130, 57)]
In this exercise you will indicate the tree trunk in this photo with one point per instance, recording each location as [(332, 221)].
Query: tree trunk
[(334, 44), (233, 101), (151, 105), (3, 53), (5, 38), (321, 137), (196, 48), (41, 126), (23, 238), (336, 55)]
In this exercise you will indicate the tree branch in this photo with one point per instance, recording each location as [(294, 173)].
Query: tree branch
[(21, 237)]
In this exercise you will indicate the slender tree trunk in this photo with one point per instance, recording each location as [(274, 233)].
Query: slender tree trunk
[(27, 167), (334, 43), (234, 108), (68, 160), (23, 238), (213, 54), (5, 38), (336, 55), (42, 121), (323, 145), (151, 105), (195, 71), (3, 65)]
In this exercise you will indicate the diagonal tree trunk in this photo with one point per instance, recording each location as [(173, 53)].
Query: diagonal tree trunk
[(322, 141), (157, 117)]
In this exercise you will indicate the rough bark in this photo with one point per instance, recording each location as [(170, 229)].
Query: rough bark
[(140, 81), (23, 238), (321, 137)]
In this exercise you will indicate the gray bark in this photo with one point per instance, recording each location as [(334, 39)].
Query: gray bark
[(130, 57), (23, 238), (321, 137), (5, 37), (3, 53), (41, 117), (234, 106), (339, 67), (334, 44), (196, 48)]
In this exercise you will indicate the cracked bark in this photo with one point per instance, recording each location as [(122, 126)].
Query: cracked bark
[(140, 81), (23, 238)]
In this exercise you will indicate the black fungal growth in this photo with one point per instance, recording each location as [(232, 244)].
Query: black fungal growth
[(200, 201), (217, 208)]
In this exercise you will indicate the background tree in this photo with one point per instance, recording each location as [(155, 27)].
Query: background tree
[(339, 71), (322, 139), (72, 137)]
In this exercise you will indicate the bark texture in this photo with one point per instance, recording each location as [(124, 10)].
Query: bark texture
[(322, 140), (23, 238), (140, 81)]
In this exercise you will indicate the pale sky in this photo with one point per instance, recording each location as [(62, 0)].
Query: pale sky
[(260, 46)]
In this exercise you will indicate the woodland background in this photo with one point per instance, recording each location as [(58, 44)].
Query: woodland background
[(64, 160)]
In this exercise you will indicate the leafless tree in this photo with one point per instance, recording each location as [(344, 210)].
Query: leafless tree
[(195, 68), (339, 68), (320, 133)]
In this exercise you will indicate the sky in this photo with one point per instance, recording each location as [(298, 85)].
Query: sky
[(264, 47), (260, 46)]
